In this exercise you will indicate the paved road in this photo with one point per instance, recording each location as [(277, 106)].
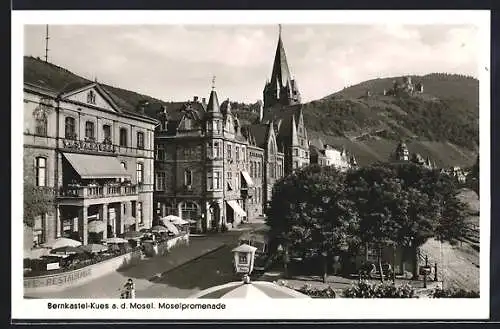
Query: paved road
[(166, 276)]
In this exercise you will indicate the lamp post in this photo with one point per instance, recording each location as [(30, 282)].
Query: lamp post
[(244, 258)]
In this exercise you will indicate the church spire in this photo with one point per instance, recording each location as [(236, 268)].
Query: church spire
[(281, 88)]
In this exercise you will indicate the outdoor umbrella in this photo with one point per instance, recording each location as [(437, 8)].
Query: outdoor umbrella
[(174, 220), (171, 227), (116, 240), (253, 290), (159, 229), (129, 220), (67, 250), (133, 235), (61, 242), (96, 226), (93, 248)]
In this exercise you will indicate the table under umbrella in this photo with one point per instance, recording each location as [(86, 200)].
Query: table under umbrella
[(67, 250), (61, 242), (93, 248), (159, 229)]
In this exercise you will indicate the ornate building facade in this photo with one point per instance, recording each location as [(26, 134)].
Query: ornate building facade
[(92, 155), (209, 169)]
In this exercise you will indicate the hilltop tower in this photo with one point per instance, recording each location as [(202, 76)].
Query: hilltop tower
[(281, 88)]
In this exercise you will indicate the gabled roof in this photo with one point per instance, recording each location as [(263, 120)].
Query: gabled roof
[(259, 132), (58, 80), (282, 115)]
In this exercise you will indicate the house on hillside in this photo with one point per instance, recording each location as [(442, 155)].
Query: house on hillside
[(328, 155)]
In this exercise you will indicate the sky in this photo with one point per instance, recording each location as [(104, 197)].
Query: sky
[(177, 62)]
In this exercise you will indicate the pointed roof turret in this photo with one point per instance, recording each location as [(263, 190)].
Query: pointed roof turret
[(213, 102), (281, 72)]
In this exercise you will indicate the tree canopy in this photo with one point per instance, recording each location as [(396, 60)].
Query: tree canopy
[(404, 204), (36, 201)]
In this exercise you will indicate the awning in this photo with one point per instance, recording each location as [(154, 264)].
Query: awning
[(247, 178), (96, 166), (236, 207)]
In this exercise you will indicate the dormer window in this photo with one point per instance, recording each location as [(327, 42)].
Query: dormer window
[(91, 97)]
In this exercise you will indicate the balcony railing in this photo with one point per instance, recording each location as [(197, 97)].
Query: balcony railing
[(74, 191), (88, 145)]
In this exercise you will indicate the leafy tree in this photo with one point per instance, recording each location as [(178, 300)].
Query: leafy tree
[(36, 201), (307, 212)]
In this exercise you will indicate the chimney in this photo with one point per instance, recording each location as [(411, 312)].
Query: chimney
[(195, 99)]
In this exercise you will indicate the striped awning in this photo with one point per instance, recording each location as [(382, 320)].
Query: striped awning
[(253, 290), (96, 166), (236, 207), (247, 178)]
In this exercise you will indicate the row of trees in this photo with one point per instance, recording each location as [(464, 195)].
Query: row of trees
[(323, 209)]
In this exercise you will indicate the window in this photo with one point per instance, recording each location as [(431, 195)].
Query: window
[(106, 130), (242, 258), (295, 164), (41, 171), (217, 180), (123, 137), (138, 212), (188, 177), (301, 142), (39, 229), (89, 130), (91, 97), (140, 140), (214, 181), (40, 123), (259, 170), (69, 128), (296, 152), (160, 152), (218, 126), (189, 210), (251, 170), (140, 172), (229, 152), (237, 153), (216, 150), (124, 165), (160, 181)]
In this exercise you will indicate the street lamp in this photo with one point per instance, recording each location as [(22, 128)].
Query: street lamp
[(244, 258)]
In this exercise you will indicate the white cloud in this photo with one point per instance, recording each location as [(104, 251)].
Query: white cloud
[(177, 62)]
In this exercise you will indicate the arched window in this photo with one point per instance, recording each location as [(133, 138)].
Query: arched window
[(89, 130), (123, 137), (41, 171), (189, 210), (69, 128)]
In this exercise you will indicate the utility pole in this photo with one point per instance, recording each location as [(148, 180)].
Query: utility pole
[(46, 43)]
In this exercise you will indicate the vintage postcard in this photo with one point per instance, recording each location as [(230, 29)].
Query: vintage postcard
[(197, 165)]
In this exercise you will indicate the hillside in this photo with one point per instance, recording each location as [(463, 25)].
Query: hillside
[(441, 123)]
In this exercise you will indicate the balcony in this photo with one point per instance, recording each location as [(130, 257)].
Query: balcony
[(96, 192), (89, 145)]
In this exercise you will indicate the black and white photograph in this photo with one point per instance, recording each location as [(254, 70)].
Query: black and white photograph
[(223, 161)]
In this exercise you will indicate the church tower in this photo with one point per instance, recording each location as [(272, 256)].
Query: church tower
[(281, 89)]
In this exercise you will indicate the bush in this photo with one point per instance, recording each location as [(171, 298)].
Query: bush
[(454, 293), (365, 289), (317, 293)]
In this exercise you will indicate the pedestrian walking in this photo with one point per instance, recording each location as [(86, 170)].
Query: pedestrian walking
[(128, 290)]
